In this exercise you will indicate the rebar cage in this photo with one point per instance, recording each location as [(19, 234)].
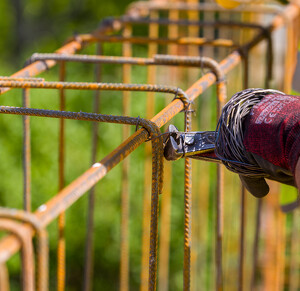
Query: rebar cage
[(169, 57)]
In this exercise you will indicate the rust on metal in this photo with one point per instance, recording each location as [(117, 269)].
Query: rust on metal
[(61, 246), (42, 244), (89, 242), (35, 223), (26, 154)]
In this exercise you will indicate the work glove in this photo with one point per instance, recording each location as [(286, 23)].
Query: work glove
[(271, 140)]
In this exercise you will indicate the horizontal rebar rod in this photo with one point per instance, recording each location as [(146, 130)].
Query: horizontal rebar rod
[(162, 41), (93, 86), (147, 6), (160, 60), (185, 22)]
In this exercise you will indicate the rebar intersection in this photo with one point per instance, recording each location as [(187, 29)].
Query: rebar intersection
[(37, 221)]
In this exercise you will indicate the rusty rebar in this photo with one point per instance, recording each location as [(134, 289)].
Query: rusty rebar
[(165, 217), (42, 243), (255, 251), (242, 240), (125, 191), (150, 105), (187, 210), (294, 258), (162, 41), (144, 7), (187, 22), (153, 31), (89, 241), (61, 246), (24, 238), (4, 278), (26, 154)]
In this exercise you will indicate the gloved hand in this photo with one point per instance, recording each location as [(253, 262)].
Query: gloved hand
[(271, 139)]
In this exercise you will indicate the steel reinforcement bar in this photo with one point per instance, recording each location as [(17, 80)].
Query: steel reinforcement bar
[(50, 210)]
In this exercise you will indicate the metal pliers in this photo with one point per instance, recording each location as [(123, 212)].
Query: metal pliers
[(197, 145)]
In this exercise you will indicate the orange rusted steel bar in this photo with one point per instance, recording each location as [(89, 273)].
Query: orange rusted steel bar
[(187, 210), (221, 99), (158, 60), (165, 227), (61, 246), (242, 239), (42, 246), (125, 191), (163, 41), (143, 7), (24, 237), (186, 22), (256, 243), (193, 31), (153, 32), (22, 79), (95, 86), (89, 241), (4, 278), (294, 258), (150, 105), (26, 154)]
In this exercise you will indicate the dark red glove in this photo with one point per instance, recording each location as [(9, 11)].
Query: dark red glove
[(272, 141)]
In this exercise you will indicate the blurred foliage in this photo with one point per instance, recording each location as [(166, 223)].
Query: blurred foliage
[(28, 26)]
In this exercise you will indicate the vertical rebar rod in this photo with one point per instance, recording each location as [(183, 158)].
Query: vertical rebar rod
[(4, 278), (164, 251), (61, 248), (187, 211), (27, 253), (221, 99), (294, 256), (165, 231), (42, 244), (219, 229), (255, 251), (150, 102), (280, 250), (125, 193), (242, 240), (193, 31), (289, 58), (89, 243), (26, 153)]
